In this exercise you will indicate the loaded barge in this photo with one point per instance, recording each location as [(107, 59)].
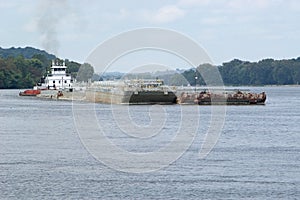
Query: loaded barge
[(222, 97), (59, 85), (138, 91)]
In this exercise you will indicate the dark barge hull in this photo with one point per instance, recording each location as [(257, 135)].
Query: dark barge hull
[(130, 97), (208, 101), (152, 97)]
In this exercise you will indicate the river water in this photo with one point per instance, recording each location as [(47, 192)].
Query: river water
[(257, 155)]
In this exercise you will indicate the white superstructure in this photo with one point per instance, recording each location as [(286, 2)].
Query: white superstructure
[(58, 78)]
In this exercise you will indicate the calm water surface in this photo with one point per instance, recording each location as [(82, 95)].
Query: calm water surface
[(257, 155)]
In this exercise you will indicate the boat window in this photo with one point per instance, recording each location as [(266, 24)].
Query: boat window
[(58, 69), (65, 81)]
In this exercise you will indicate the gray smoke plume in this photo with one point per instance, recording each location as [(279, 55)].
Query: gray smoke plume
[(51, 13)]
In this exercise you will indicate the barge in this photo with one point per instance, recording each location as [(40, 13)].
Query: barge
[(137, 91), (59, 85), (222, 97), (30, 92)]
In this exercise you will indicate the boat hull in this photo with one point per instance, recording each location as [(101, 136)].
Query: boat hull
[(152, 97), (231, 102), (30, 93), (131, 97), (211, 98), (228, 99)]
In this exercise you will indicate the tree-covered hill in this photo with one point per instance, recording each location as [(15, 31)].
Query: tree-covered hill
[(27, 52), (264, 72)]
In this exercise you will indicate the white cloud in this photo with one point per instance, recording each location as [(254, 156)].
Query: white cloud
[(248, 4), (165, 14), (121, 14), (237, 5), (194, 2), (214, 20)]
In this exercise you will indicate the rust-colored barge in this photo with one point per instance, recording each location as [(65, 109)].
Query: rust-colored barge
[(223, 97)]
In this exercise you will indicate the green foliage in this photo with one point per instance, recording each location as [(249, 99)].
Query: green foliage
[(73, 67), (19, 72), (264, 72), (43, 59), (85, 73), (22, 67), (178, 79)]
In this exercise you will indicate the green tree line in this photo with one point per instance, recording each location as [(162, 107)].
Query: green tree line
[(264, 72), (19, 72)]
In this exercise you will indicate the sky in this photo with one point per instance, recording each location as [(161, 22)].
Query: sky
[(71, 29)]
